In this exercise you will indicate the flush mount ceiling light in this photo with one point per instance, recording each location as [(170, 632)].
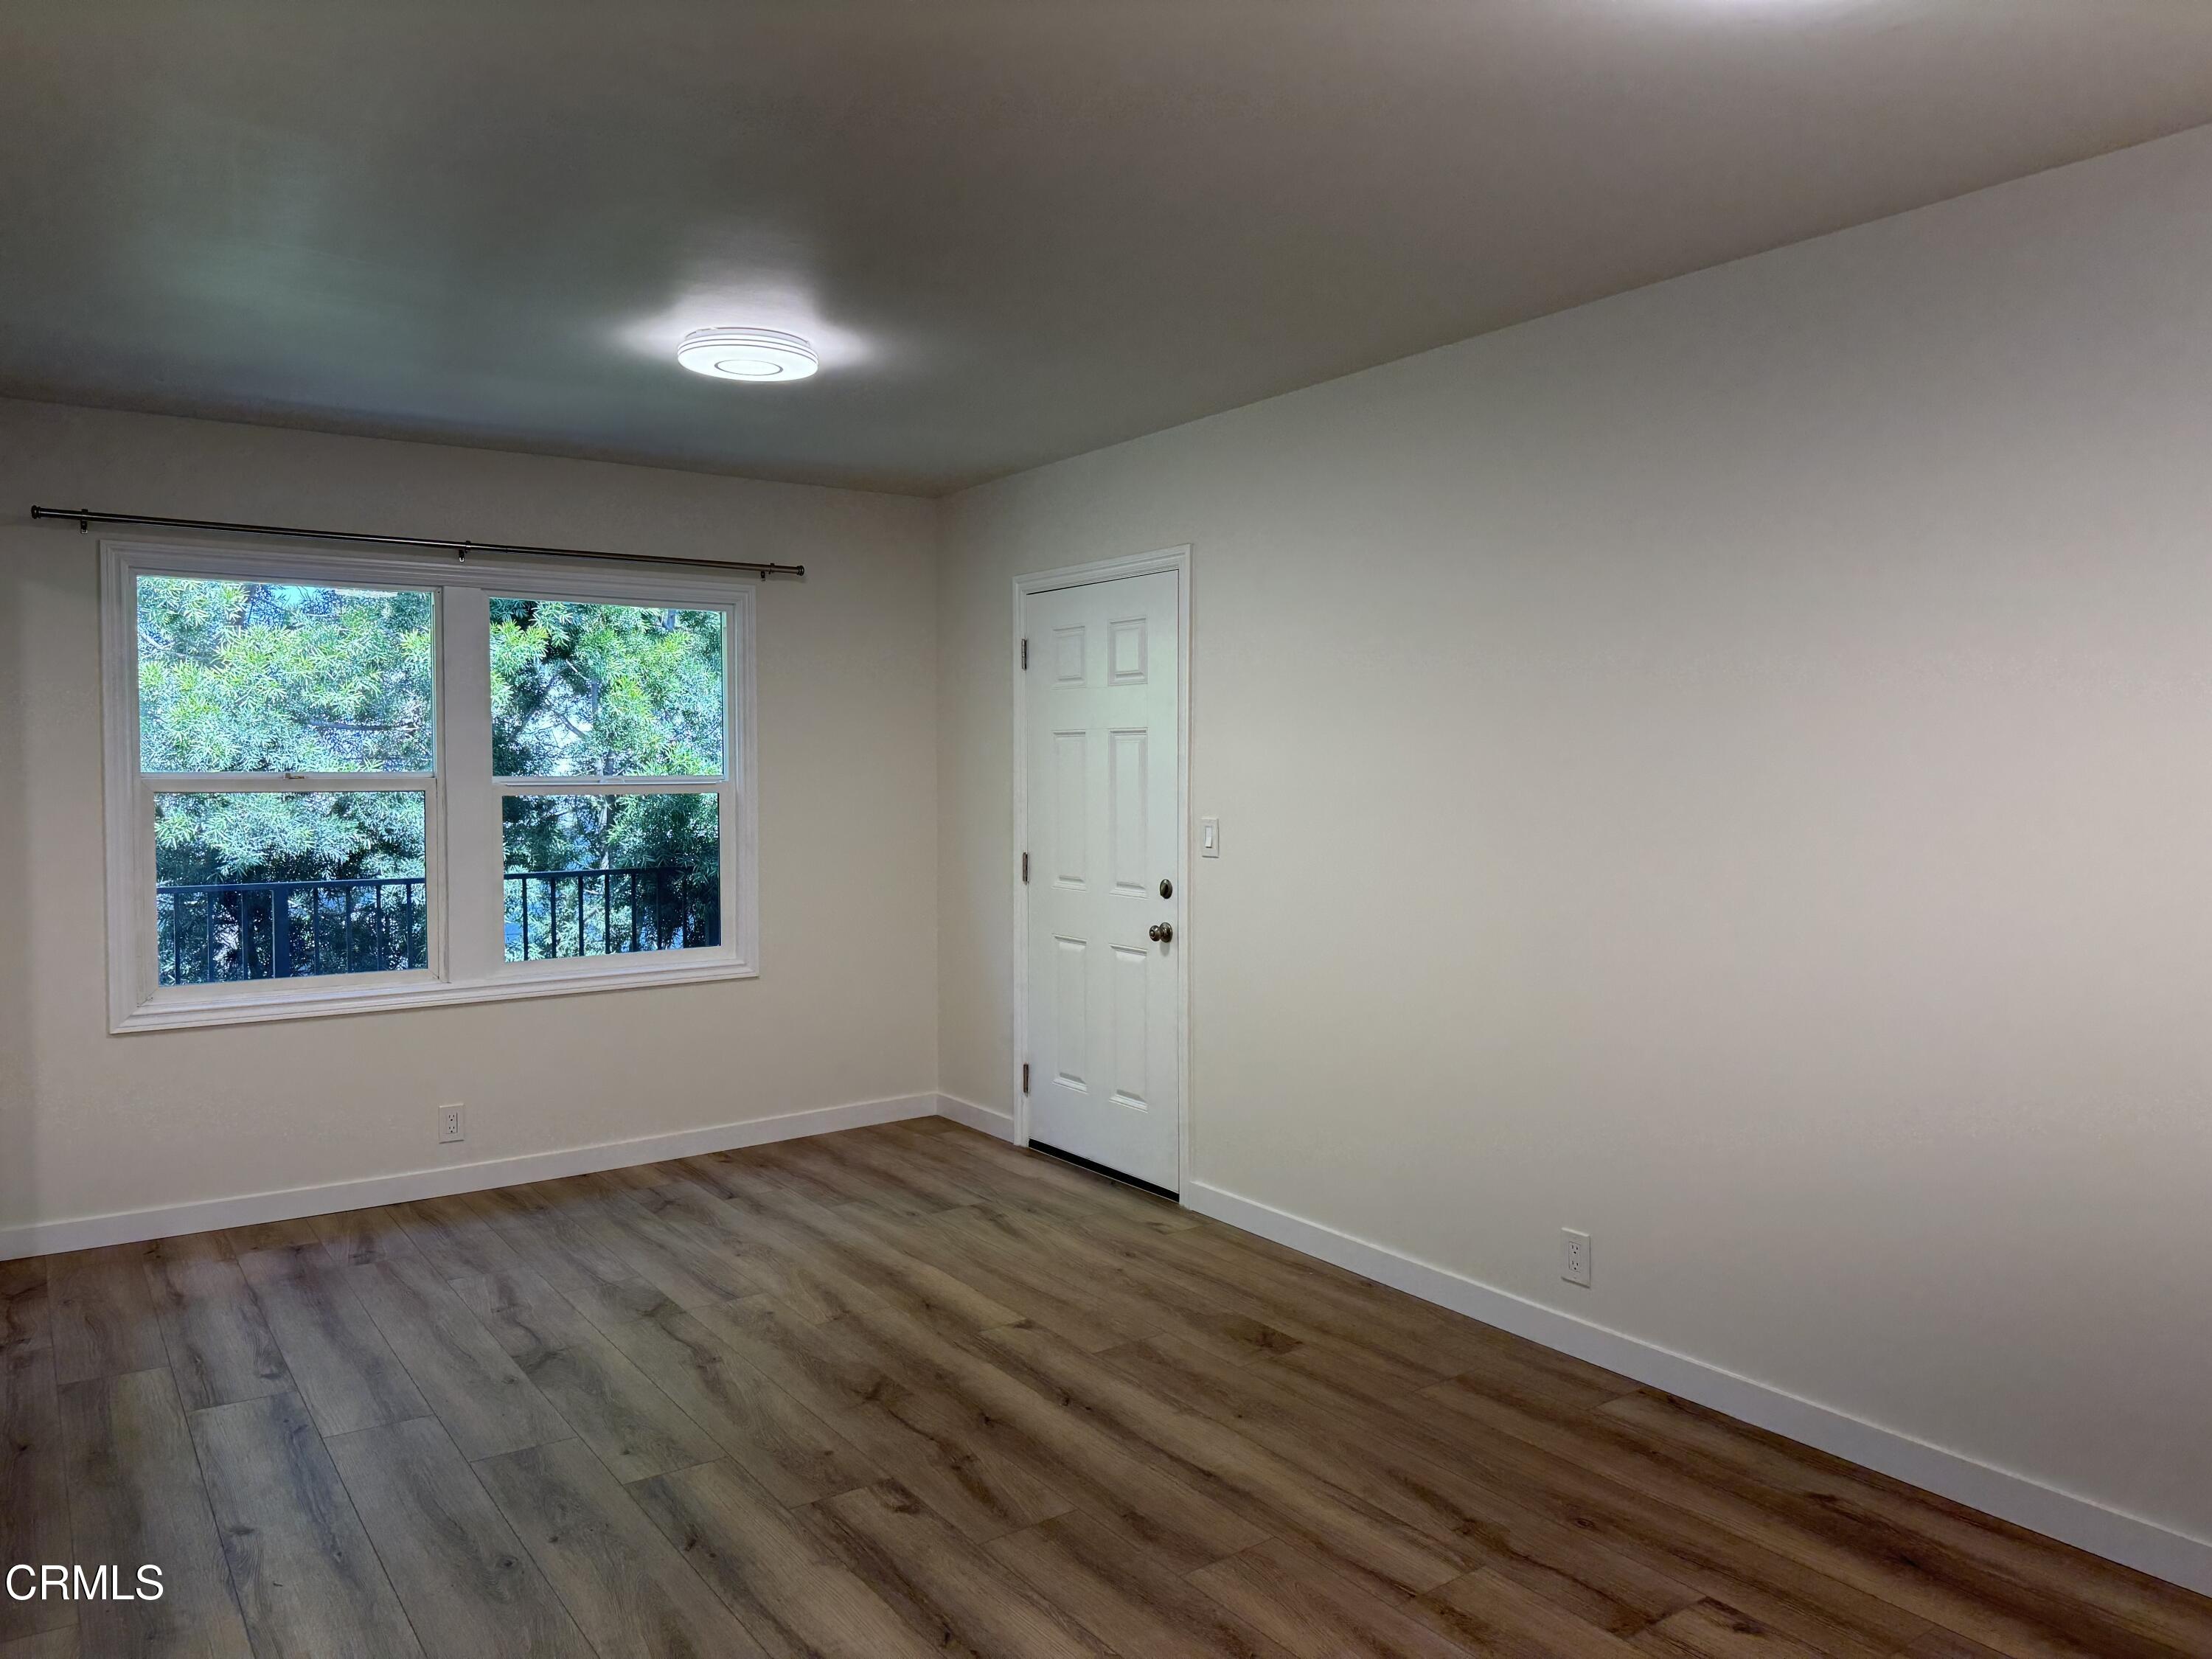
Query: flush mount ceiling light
[(747, 354)]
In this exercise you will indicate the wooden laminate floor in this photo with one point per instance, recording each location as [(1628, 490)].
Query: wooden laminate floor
[(907, 1391)]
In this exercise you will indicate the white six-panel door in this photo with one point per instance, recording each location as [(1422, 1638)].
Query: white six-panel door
[(1103, 818)]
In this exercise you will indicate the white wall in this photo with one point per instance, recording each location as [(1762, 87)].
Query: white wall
[(844, 1010), (1730, 768)]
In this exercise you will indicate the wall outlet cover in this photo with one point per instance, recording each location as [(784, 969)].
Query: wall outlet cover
[(1575, 1256), (449, 1124)]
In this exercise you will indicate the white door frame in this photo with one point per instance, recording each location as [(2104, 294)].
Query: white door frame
[(1176, 559)]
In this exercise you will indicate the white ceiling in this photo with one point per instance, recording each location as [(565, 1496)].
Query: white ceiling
[(1016, 230)]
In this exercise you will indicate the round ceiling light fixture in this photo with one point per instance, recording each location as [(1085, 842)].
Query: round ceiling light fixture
[(747, 354)]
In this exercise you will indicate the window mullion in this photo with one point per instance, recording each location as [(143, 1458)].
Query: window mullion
[(590, 783), (290, 783), (469, 874)]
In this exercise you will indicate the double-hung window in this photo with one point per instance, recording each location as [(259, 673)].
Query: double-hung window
[(336, 784)]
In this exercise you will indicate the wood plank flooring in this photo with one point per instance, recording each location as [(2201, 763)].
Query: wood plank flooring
[(907, 1391)]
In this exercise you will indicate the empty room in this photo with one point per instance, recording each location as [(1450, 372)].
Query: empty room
[(1029, 829)]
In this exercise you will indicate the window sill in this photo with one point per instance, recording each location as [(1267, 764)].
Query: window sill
[(170, 1013)]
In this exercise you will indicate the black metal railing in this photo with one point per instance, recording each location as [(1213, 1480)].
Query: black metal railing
[(591, 913), (210, 932)]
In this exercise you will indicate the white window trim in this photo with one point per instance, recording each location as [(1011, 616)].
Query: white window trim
[(461, 815)]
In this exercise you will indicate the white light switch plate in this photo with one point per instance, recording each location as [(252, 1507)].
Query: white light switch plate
[(1209, 838)]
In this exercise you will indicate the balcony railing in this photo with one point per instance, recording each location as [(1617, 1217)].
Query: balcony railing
[(215, 932), (592, 912)]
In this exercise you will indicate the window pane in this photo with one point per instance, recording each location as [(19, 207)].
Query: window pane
[(267, 886), (605, 875), (269, 676), (606, 691)]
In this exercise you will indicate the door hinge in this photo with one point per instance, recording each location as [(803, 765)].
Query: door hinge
[(1025, 869), (1025, 654), (1025, 1077)]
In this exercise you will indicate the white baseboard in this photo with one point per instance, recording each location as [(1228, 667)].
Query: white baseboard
[(2129, 1540), (130, 1226), (989, 1119)]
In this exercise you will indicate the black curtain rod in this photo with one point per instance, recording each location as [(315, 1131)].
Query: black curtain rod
[(85, 517)]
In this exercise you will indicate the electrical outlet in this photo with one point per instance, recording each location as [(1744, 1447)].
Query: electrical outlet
[(1574, 1257), (449, 1124)]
